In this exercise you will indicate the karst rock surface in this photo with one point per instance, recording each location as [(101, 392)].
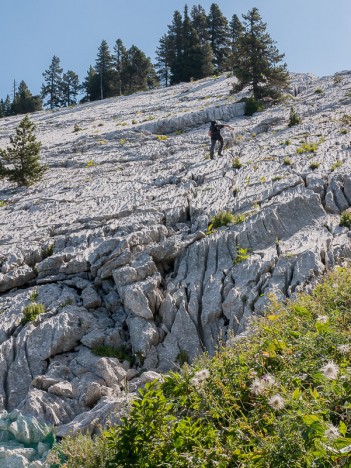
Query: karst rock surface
[(113, 243)]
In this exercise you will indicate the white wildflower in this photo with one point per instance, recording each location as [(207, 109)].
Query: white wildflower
[(257, 387), (331, 432), (276, 402), (330, 370), (269, 380), (344, 348), (322, 318), (200, 377)]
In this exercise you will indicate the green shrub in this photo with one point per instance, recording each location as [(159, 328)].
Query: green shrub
[(252, 106), (345, 219), (279, 397), (47, 251), (307, 148), (33, 295), (162, 137), (318, 91), (91, 163), (122, 353), (241, 255), (294, 118), (314, 165), (346, 119), (2, 203), (236, 163), (183, 357), (76, 128), (31, 312), (336, 165), (287, 161), (134, 122), (343, 131)]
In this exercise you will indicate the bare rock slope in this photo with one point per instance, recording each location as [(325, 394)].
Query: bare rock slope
[(112, 242)]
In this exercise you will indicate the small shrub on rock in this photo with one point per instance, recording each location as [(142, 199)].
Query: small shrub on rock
[(287, 161), (31, 312), (345, 219), (236, 163), (122, 353), (314, 165), (252, 106), (294, 118), (241, 255), (336, 165)]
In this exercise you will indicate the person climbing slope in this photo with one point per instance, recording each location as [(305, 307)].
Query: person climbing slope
[(215, 134)]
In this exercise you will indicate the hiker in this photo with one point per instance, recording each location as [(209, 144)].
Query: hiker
[(215, 134)]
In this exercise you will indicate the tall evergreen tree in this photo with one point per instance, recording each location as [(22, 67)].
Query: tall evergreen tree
[(91, 84), (20, 162), (257, 61), (206, 60), (120, 62), (24, 101), (199, 22), (175, 35), (52, 86), (138, 72), (236, 29), (218, 32), (163, 56), (7, 106), (105, 71), (192, 53), (2, 108), (70, 88)]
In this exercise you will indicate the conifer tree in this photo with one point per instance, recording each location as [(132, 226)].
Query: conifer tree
[(7, 106), (192, 53), (91, 85), (207, 60), (104, 70), (70, 88), (236, 29), (120, 62), (163, 56), (2, 108), (52, 86), (257, 62), (138, 73), (218, 33), (199, 22), (175, 35), (19, 162), (24, 101)]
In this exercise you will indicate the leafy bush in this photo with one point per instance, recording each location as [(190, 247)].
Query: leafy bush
[(31, 312), (343, 131), (294, 118), (345, 219), (279, 397), (241, 255), (223, 218), (162, 137), (307, 148), (76, 128), (287, 161), (252, 106), (236, 163), (90, 163), (318, 91), (314, 165), (122, 353), (2, 203)]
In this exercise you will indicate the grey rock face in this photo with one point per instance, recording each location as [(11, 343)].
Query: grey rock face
[(119, 252)]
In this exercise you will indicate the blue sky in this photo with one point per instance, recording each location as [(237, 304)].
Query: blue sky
[(313, 34)]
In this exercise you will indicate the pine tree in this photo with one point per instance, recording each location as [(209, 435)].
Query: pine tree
[(175, 44), (199, 22), (163, 56), (192, 53), (91, 84), (120, 59), (52, 86), (206, 60), (218, 32), (236, 29), (7, 106), (256, 64), (69, 88), (24, 101), (105, 72), (2, 108), (23, 156), (138, 73)]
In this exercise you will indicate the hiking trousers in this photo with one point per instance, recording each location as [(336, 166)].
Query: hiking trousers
[(213, 144)]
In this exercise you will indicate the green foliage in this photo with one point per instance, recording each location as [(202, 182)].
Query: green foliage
[(223, 218), (318, 91), (22, 156), (183, 357), (343, 131), (287, 161), (47, 251), (91, 163), (314, 165), (122, 353), (275, 178), (294, 118), (2, 203), (346, 119), (279, 397), (307, 148), (241, 255), (31, 312), (336, 165), (33, 295), (162, 137), (236, 163), (345, 219), (134, 122), (252, 105)]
